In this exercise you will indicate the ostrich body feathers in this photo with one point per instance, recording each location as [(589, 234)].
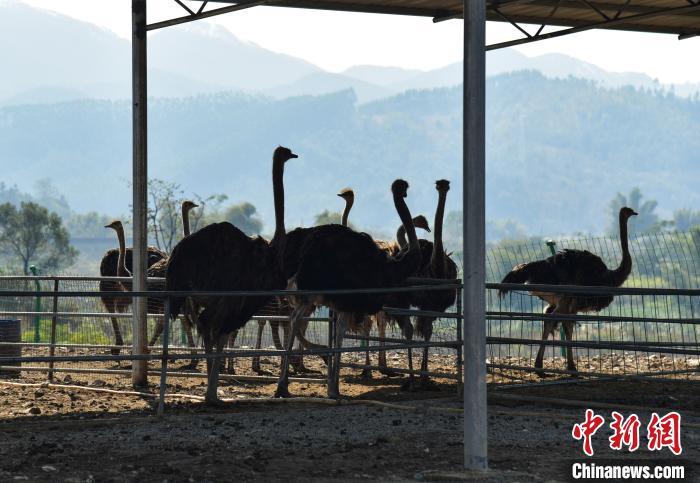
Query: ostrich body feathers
[(222, 257)]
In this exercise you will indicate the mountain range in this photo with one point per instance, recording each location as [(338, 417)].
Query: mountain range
[(558, 150), (68, 59)]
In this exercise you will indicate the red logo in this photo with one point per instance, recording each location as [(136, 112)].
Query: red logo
[(662, 432), (625, 432), (587, 429), (665, 433)]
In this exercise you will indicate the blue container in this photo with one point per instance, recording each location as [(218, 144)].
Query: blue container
[(10, 331)]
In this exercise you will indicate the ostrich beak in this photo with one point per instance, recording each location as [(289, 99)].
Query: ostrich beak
[(634, 213), (293, 156)]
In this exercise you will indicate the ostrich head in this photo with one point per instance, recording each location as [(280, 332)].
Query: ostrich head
[(400, 188), (115, 225), (187, 205), (626, 213), (421, 222), (283, 154), (346, 194), (442, 185)]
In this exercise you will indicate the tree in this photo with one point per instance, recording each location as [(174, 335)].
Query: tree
[(35, 236), (646, 221), (244, 217), (685, 219), (165, 213)]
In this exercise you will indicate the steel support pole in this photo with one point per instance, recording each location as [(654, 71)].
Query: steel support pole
[(475, 431), (139, 186)]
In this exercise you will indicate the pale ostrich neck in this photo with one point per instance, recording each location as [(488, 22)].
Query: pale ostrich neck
[(620, 274), (186, 220), (278, 195), (401, 236), (346, 211), (437, 258), (121, 260)]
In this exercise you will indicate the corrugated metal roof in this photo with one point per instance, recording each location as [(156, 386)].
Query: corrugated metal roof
[(661, 16)]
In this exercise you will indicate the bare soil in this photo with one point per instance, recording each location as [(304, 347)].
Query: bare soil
[(72, 434)]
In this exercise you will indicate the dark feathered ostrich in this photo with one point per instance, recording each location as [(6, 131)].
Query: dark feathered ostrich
[(573, 267), (335, 257), (157, 270), (441, 266), (397, 300), (109, 267), (222, 257)]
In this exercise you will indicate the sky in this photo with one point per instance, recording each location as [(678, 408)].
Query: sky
[(336, 41)]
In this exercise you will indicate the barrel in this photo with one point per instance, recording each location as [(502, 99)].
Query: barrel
[(10, 331)]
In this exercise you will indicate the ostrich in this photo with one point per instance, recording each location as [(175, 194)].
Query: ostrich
[(109, 266), (441, 266), (157, 270), (335, 257), (399, 300), (222, 257), (573, 267)]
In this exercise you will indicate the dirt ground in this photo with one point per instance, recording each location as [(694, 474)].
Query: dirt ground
[(74, 431)]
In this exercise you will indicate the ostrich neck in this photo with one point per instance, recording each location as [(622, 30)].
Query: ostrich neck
[(121, 260), (437, 258), (406, 264), (620, 274), (346, 211), (401, 236), (185, 221), (278, 194), (407, 221)]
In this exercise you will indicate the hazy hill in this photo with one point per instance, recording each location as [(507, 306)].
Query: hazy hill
[(557, 150), (325, 83), (68, 60)]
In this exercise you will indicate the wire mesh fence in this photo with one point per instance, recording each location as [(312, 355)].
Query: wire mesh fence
[(649, 330)]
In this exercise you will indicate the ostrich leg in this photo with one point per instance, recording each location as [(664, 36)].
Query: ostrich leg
[(568, 334), (407, 329), (548, 328), (230, 363), (425, 381), (258, 344), (187, 322), (334, 369), (381, 329), (113, 308), (212, 396), (283, 383), (367, 329)]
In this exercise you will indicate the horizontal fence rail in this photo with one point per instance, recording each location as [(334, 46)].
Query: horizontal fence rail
[(72, 334)]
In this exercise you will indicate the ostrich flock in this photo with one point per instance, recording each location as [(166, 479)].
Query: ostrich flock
[(332, 257)]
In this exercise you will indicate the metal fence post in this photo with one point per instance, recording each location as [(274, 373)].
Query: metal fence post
[(37, 306), (164, 358), (139, 186), (460, 341), (474, 171), (54, 317)]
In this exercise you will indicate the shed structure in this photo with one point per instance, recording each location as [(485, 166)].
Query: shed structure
[(532, 20)]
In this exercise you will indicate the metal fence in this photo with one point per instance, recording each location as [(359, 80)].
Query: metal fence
[(653, 333), (67, 333), (650, 330)]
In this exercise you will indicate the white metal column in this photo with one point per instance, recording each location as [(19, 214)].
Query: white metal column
[(475, 428), (139, 185)]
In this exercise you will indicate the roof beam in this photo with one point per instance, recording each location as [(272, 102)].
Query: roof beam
[(606, 24), (201, 15)]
